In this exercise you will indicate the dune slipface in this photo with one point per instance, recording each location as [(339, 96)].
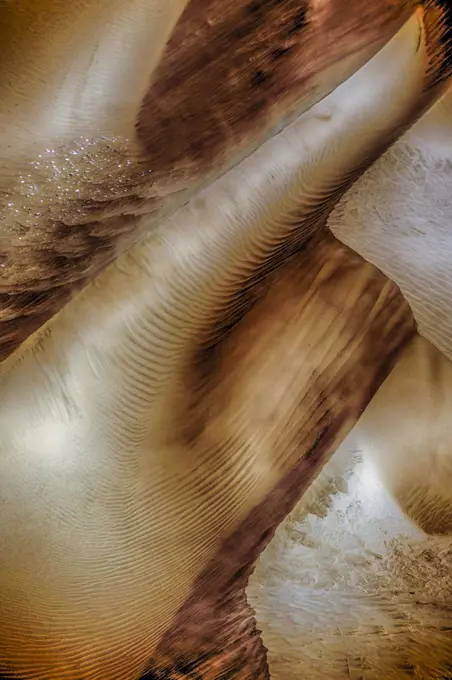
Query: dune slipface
[(159, 428)]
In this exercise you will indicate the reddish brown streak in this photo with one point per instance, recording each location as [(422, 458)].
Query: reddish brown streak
[(233, 70), (214, 634)]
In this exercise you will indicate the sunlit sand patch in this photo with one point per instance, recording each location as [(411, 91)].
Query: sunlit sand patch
[(398, 216), (349, 588)]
